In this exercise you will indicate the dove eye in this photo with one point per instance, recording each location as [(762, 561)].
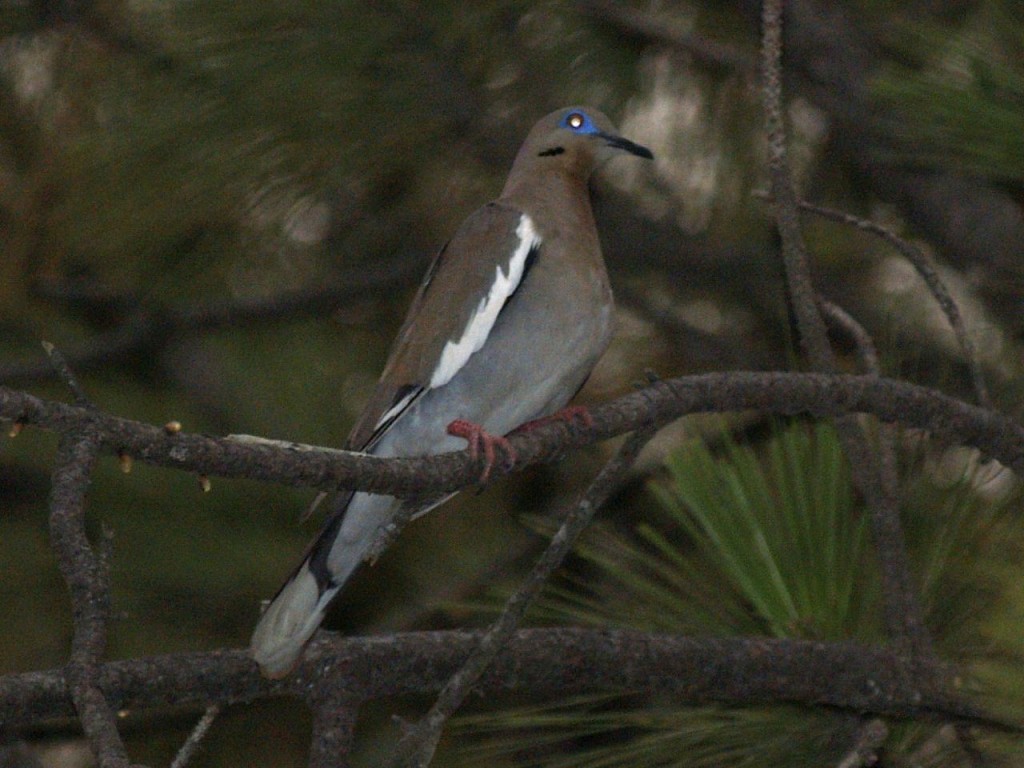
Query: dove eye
[(579, 122)]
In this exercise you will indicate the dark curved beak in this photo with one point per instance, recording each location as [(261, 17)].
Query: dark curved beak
[(617, 142)]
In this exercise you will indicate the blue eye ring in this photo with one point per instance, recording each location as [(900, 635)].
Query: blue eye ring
[(579, 122)]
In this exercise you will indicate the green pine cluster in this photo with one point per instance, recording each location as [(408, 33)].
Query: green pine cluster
[(770, 539)]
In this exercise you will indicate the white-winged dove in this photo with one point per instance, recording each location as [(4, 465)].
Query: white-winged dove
[(511, 317)]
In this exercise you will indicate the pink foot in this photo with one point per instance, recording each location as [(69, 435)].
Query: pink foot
[(570, 415), (482, 441)]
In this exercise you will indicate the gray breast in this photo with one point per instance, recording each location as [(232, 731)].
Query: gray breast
[(541, 349)]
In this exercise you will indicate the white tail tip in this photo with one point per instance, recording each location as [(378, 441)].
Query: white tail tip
[(288, 622)]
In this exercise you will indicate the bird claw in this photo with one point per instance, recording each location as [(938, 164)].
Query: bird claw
[(482, 441)]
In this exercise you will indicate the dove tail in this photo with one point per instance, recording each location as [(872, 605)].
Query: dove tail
[(298, 608), (289, 621)]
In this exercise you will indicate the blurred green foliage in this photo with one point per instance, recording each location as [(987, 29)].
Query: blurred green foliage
[(957, 100)]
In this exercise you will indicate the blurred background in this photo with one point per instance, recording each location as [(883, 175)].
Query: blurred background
[(218, 211)]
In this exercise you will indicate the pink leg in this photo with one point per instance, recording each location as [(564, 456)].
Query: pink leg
[(481, 440), (570, 414)]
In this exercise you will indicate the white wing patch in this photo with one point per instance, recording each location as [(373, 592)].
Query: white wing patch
[(457, 353)]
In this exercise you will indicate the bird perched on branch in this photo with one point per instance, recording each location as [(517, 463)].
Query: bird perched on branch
[(511, 318)]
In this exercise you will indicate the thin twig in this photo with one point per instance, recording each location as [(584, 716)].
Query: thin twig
[(875, 468), (877, 471), (417, 745), (88, 582), (191, 746), (63, 370), (929, 273), (867, 355)]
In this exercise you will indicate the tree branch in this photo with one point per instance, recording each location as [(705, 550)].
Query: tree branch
[(854, 677), (148, 327), (948, 419), (88, 582), (873, 466), (334, 725), (810, 326), (189, 749)]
